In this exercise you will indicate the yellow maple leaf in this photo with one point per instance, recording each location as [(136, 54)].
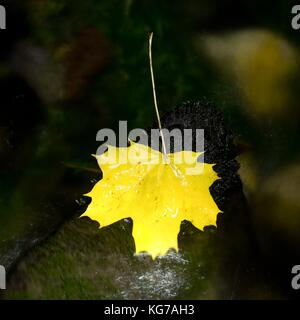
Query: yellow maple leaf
[(156, 192)]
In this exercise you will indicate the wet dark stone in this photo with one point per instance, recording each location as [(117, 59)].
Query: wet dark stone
[(233, 252), (223, 259)]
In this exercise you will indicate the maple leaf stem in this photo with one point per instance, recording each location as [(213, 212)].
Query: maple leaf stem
[(154, 96)]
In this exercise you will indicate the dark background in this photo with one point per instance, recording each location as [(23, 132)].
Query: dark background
[(70, 68)]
